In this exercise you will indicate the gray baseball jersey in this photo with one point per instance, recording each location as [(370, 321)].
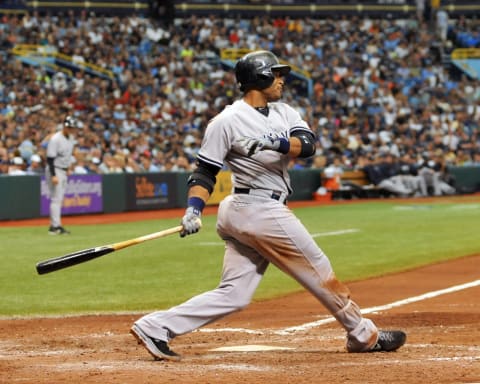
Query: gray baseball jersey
[(267, 169), (259, 229), (60, 148)]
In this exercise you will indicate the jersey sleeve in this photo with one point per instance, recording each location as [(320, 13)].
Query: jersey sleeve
[(295, 121), (216, 142), (52, 147)]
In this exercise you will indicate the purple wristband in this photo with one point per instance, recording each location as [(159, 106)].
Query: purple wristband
[(196, 202)]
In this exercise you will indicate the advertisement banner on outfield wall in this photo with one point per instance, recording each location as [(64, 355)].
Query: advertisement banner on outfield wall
[(83, 195), (151, 191)]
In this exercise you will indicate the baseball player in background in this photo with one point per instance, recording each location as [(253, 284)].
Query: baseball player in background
[(59, 156), (256, 136)]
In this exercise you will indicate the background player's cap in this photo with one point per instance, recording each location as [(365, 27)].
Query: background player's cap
[(255, 70), (71, 122)]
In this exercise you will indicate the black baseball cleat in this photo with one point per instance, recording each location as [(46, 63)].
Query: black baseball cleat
[(389, 341), (62, 231), (157, 348), (58, 231)]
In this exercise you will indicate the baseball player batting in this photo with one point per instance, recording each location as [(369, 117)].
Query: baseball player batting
[(256, 137)]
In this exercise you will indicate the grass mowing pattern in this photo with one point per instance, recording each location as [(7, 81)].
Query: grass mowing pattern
[(392, 236)]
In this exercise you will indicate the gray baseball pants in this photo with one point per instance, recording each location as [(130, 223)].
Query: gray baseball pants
[(57, 193), (258, 231)]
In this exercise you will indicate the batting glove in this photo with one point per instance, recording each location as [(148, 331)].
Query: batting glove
[(191, 221), (250, 146)]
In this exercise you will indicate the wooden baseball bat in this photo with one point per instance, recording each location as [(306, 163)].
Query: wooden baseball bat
[(78, 257)]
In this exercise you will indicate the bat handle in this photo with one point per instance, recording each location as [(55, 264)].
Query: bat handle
[(141, 239)]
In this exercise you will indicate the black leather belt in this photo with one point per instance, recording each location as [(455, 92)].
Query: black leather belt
[(246, 191)]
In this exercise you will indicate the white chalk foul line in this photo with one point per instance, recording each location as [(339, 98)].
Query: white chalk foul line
[(380, 308), (211, 243), (364, 311), (321, 234), (335, 233)]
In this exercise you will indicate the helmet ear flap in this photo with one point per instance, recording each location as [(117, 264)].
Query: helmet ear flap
[(264, 81)]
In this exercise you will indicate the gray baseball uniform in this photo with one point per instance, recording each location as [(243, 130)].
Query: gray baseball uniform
[(61, 149), (259, 229)]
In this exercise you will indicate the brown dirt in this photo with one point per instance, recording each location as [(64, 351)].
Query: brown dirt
[(443, 344)]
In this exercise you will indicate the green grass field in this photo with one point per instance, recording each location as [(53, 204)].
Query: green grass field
[(372, 238)]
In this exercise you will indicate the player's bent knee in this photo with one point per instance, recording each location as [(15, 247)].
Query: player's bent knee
[(238, 297)]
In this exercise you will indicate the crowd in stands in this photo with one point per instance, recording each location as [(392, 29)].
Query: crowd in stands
[(379, 88)]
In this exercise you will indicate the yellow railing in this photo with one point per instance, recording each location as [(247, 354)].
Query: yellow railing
[(466, 53), (33, 51), (233, 53)]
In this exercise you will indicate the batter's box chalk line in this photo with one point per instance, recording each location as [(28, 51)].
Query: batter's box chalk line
[(251, 348)]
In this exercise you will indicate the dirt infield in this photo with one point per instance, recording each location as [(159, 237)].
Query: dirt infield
[(438, 306), (443, 343)]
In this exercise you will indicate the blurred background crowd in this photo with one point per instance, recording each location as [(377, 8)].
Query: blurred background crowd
[(379, 87)]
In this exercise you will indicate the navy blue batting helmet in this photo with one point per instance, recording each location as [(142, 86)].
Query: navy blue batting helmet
[(255, 70)]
